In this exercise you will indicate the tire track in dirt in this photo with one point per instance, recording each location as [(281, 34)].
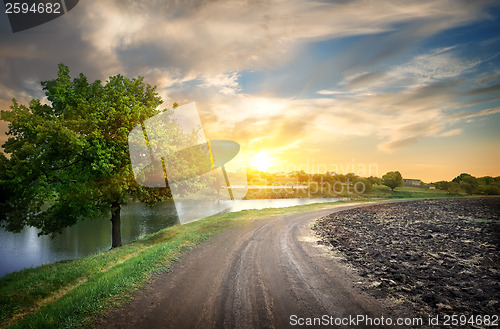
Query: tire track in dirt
[(255, 275)]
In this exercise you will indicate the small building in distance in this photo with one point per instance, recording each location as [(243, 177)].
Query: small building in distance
[(411, 182)]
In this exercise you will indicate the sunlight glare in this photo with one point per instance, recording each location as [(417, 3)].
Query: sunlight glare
[(261, 161)]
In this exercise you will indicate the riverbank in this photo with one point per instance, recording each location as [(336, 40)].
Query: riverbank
[(71, 293), (27, 249)]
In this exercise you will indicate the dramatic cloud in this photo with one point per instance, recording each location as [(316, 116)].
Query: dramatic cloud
[(197, 39), (413, 100), (279, 74)]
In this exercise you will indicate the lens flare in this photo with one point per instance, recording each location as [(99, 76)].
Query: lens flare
[(261, 161)]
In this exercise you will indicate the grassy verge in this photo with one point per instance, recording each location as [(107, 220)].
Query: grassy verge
[(71, 293)]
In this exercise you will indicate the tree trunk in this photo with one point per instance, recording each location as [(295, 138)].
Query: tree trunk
[(116, 235)]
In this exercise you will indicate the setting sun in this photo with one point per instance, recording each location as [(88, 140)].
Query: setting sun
[(260, 161)]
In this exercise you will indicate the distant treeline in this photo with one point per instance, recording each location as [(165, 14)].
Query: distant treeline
[(462, 184), (301, 177), (466, 183)]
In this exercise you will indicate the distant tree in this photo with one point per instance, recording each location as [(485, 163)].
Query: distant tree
[(318, 178), (270, 177), (461, 177), (469, 184), (375, 180), (69, 159), (302, 176), (491, 189), (441, 185), (351, 177), (340, 178), (488, 185), (486, 180), (362, 184), (392, 179), (453, 188)]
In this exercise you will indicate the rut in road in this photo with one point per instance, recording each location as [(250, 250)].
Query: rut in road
[(255, 275)]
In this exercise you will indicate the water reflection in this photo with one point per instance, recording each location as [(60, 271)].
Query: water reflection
[(25, 249)]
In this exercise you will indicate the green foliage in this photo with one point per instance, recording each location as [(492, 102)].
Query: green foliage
[(466, 183), (441, 185), (392, 179), (256, 177), (454, 188), (462, 177), (493, 189), (375, 180), (69, 159), (318, 178), (366, 184), (302, 176), (469, 185)]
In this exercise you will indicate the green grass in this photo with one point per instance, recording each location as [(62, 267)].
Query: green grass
[(72, 293), (80, 290)]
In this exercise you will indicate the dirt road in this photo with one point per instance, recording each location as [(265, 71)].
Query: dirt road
[(263, 274)]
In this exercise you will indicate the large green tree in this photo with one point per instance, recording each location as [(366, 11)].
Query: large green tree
[(392, 179), (68, 157)]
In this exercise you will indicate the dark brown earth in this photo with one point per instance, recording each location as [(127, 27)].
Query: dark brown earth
[(256, 275), (434, 256)]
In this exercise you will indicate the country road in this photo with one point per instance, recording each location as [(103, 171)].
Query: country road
[(256, 275)]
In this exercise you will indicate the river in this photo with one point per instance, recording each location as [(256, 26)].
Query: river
[(27, 249)]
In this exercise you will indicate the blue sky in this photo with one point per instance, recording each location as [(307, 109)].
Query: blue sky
[(414, 88)]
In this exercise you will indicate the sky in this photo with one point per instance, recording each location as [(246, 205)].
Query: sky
[(346, 86)]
